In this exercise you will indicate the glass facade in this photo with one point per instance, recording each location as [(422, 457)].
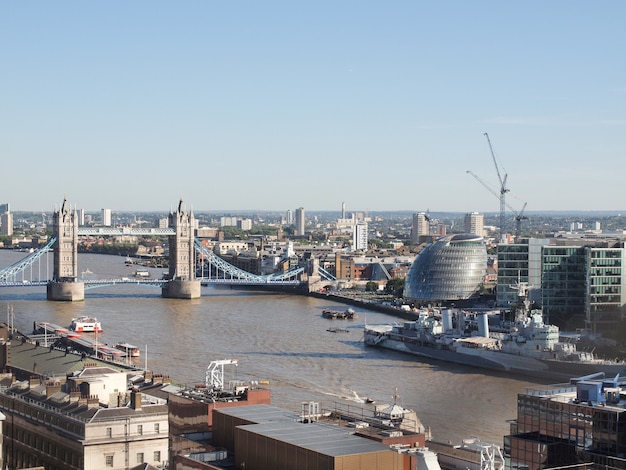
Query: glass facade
[(451, 268), (551, 432), (604, 286), (563, 284)]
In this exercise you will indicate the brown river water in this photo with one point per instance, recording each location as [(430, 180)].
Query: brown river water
[(279, 338)]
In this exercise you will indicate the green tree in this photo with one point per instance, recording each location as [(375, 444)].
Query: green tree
[(371, 286), (395, 287)]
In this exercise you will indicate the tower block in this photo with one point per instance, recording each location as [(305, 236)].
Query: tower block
[(182, 271), (64, 285)]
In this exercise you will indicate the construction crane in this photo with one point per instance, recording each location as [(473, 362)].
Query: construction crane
[(503, 190), (519, 216)]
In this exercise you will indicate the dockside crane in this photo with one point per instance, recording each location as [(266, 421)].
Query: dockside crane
[(519, 216), (503, 190)]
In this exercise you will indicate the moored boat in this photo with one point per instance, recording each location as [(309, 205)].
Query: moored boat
[(527, 346), (129, 349), (86, 324), (348, 314)]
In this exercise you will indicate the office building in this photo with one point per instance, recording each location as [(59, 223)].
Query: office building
[(5, 208), (300, 221), (576, 425), (420, 229), (81, 217), (475, 223), (106, 217), (519, 262), (452, 268)]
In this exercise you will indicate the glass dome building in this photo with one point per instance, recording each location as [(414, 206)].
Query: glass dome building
[(451, 268)]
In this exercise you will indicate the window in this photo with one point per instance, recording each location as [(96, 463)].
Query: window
[(139, 429), (108, 460), (139, 457), (157, 456), (156, 428), (109, 432)]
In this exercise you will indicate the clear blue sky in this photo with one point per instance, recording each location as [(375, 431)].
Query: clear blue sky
[(275, 105)]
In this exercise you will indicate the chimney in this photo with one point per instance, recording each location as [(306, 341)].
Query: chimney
[(135, 400)]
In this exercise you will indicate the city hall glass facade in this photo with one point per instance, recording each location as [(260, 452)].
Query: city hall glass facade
[(451, 268)]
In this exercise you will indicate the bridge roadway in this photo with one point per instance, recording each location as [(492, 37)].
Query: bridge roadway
[(160, 283)]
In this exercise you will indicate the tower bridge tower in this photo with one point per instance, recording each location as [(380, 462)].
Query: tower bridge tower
[(64, 284), (182, 270)]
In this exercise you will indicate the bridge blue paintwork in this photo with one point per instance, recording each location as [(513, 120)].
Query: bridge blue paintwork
[(226, 272)]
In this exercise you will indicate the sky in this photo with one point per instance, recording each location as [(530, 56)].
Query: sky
[(274, 105)]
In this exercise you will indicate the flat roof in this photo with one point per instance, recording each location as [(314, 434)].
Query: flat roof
[(260, 413), (318, 437)]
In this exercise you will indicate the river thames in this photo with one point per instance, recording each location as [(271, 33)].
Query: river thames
[(280, 338)]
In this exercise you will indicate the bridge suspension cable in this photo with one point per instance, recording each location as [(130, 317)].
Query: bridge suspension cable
[(9, 272)]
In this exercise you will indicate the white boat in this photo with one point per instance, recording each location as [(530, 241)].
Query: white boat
[(86, 325), (141, 273), (129, 349)]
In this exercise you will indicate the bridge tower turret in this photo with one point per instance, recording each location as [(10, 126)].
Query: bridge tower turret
[(182, 270), (64, 284)]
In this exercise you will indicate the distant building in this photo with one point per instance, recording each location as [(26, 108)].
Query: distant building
[(359, 236), (5, 208), (289, 217), (244, 224), (106, 217), (420, 228), (6, 224), (475, 223), (81, 217), (300, 221)]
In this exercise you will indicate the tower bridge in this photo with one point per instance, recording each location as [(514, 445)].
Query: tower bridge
[(181, 281)]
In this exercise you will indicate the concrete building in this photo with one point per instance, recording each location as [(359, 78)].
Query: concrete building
[(6, 223), (106, 217), (576, 425), (475, 223), (360, 236), (420, 228), (300, 221)]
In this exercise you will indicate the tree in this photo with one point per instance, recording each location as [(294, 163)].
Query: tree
[(371, 286), (395, 287)]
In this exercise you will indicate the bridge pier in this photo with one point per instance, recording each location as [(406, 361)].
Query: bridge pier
[(66, 291), (181, 290)]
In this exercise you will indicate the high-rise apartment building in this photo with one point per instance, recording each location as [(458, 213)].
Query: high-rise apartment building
[(106, 217), (359, 236), (289, 217), (420, 227), (300, 223), (5, 208), (6, 224), (475, 223)]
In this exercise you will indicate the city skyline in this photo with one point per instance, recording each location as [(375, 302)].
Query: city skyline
[(276, 106)]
